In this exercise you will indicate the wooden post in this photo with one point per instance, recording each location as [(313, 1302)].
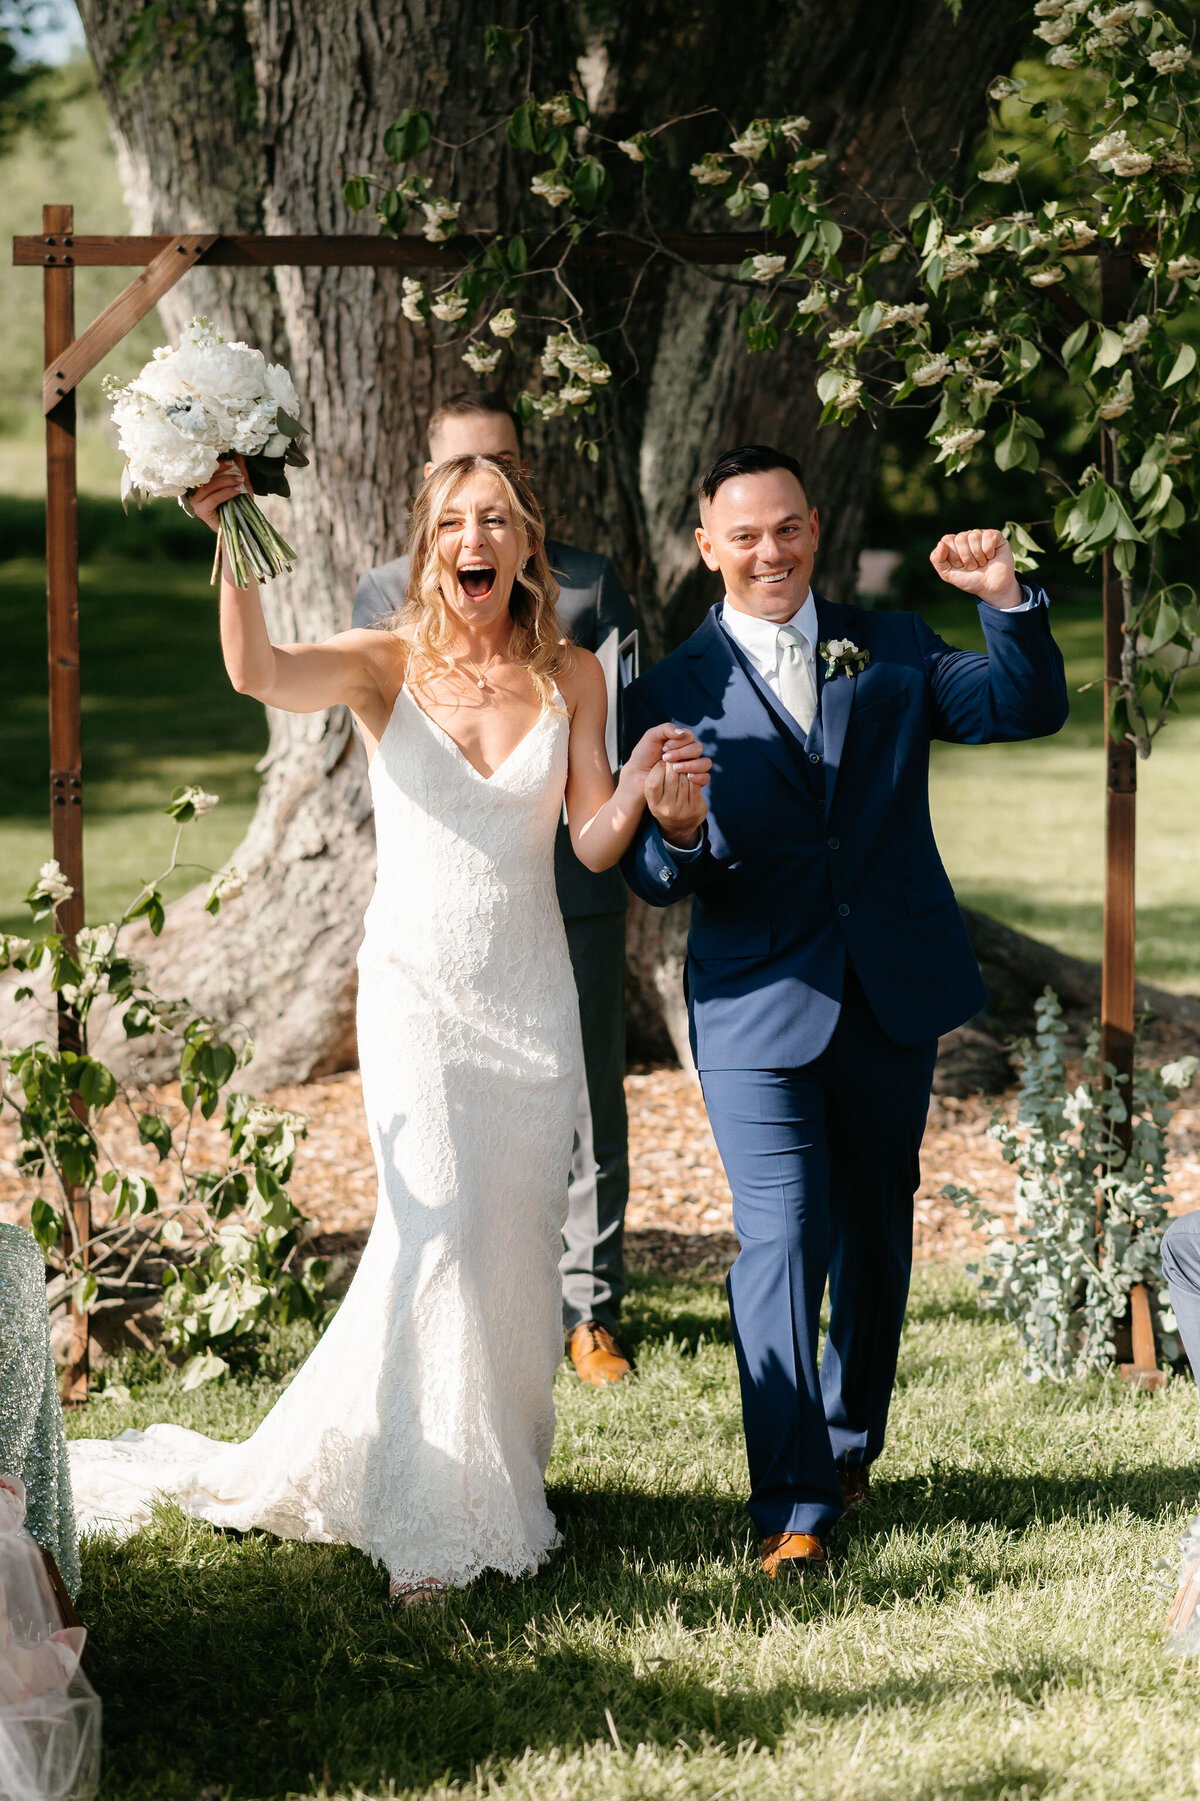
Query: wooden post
[(62, 612), (1120, 819)]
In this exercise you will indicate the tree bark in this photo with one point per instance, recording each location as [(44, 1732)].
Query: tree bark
[(893, 97)]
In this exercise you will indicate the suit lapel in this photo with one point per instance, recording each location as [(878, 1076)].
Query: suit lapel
[(743, 712), (836, 695)]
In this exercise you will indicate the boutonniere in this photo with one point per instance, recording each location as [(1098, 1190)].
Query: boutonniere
[(843, 657)]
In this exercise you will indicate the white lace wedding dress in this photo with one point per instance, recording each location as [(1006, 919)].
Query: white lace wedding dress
[(420, 1427)]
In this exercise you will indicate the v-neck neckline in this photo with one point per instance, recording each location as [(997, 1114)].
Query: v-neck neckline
[(457, 747)]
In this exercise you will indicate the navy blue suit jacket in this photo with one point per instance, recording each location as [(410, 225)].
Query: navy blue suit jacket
[(821, 848)]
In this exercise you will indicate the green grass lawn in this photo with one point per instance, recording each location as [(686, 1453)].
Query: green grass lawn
[(987, 1632), (157, 711)]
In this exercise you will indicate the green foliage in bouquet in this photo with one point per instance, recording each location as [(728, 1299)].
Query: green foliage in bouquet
[(1090, 1217), (221, 1243)]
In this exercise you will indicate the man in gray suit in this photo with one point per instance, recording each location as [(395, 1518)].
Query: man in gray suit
[(598, 614)]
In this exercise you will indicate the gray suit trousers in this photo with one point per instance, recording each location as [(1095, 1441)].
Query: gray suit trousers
[(592, 1269), (1181, 1267)]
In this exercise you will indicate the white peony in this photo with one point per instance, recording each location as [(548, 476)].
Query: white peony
[(162, 460), (282, 389)]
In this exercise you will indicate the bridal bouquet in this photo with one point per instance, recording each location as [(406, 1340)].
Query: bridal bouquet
[(189, 408)]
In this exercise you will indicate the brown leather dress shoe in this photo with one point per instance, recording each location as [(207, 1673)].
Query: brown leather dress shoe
[(597, 1356), (792, 1554), (855, 1480)]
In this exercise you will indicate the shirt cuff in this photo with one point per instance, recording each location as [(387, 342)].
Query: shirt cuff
[(1034, 597), (687, 852)]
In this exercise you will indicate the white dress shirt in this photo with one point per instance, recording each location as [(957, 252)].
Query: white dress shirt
[(759, 639)]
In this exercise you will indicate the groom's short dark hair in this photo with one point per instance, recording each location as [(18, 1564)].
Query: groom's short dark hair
[(473, 400), (748, 459)]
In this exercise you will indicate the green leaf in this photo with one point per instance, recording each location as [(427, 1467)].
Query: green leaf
[(1011, 448), (153, 1129), (525, 128), (829, 236), (499, 41), (392, 212), (1183, 365), (590, 184), (1024, 546), (1109, 348), (408, 135), (518, 255), (1075, 343), (97, 1085), (828, 384), (356, 193)]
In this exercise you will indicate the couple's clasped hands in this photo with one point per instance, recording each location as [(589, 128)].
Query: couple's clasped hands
[(669, 763)]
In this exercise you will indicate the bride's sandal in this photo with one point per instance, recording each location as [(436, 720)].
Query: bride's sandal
[(416, 1593)]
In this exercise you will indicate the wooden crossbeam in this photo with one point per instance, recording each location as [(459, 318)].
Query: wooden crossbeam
[(351, 251), (177, 255)]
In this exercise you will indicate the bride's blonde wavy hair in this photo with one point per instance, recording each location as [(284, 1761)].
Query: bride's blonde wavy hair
[(535, 636)]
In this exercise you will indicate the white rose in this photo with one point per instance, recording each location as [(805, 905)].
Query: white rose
[(52, 885)]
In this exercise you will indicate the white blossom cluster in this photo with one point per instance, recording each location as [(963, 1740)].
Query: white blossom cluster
[(192, 404)]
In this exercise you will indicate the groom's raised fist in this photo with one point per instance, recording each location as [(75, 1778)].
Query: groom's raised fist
[(979, 563)]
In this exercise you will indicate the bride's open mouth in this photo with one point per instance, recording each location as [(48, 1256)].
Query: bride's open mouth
[(476, 580)]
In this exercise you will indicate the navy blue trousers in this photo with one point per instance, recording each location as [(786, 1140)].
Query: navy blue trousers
[(823, 1163)]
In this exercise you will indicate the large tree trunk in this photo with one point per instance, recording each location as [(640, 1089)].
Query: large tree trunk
[(893, 94)]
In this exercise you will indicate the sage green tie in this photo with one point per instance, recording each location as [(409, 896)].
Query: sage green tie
[(796, 688)]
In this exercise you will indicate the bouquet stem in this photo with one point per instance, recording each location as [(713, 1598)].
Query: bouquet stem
[(250, 542)]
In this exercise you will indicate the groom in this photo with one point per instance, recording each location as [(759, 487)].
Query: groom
[(826, 954)]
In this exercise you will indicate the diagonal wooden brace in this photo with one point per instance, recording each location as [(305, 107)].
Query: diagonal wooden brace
[(121, 314)]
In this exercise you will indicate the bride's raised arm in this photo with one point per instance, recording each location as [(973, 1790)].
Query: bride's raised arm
[(666, 771), (298, 678)]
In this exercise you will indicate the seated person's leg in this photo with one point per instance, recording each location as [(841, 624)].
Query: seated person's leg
[(1181, 1267)]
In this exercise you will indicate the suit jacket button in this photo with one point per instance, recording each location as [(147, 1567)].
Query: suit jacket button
[(843, 911), (834, 843), (813, 757), (664, 875)]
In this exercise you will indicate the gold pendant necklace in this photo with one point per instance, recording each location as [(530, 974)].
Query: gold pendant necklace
[(481, 680)]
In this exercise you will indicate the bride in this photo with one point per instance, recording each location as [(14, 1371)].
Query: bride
[(420, 1427)]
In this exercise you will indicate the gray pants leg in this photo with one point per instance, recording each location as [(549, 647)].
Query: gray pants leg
[(1181, 1267), (592, 1266)]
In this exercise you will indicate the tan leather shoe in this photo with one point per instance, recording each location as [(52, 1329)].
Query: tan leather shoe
[(792, 1554), (597, 1356)]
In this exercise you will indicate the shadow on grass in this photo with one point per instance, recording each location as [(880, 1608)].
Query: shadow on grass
[(259, 1667)]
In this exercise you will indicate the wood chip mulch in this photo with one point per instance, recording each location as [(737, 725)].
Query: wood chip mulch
[(680, 1218)]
